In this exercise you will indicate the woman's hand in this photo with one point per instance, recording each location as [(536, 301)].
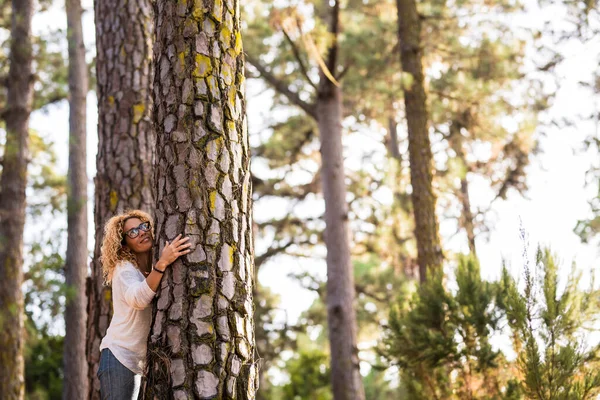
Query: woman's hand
[(178, 247)]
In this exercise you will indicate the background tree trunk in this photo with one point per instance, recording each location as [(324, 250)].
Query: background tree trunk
[(75, 365), (201, 343), (467, 219), (429, 250), (126, 141), (341, 315), (12, 200)]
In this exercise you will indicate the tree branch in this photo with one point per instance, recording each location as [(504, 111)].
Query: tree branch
[(282, 88), (296, 52), (344, 70), (271, 252)]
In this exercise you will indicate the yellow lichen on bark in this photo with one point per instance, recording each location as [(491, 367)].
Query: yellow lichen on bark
[(217, 10), (203, 66), (138, 112), (238, 43), (114, 199)]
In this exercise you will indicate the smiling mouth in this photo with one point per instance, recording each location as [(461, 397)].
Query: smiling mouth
[(144, 240)]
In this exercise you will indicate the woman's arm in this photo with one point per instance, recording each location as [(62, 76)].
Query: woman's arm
[(154, 278), (136, 294), (170, 253)]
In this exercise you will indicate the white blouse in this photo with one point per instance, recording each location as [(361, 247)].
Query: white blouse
[(127, 334)]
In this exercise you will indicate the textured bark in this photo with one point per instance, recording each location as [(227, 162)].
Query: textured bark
[(12, 201), (341, 315), (126, 141), (467, 219), (201, 342), (75, 366), (429, 251)]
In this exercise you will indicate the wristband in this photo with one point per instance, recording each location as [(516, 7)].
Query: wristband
[(158, 270)]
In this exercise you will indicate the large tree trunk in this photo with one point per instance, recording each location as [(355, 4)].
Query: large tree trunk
[(341, 315), (126, 141), (429, 251), (12, 201), (201, 342), (74, 362)]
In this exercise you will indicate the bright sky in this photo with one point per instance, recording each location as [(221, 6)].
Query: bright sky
[(556, 200)]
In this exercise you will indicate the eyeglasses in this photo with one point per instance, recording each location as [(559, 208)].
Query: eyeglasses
[(135, 232)]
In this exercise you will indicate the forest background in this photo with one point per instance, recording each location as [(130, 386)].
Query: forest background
[(546, 193)]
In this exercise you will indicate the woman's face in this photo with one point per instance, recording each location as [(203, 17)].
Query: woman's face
[(138, 236)]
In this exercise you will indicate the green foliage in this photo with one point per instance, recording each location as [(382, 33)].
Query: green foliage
[(589, 229), (441, 339), (44, 295), (309, 376), (51, 69), (49, 60), (378, 388), (45, 289), (549, 325), (47, 186), (43, 364)]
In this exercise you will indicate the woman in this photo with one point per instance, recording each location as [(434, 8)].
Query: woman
[(126, 257)]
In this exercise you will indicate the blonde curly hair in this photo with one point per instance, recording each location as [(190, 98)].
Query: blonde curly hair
[(113, 249)]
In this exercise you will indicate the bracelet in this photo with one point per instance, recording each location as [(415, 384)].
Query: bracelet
[(158, 270)]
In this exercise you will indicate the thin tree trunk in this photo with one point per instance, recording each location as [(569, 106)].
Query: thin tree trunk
[(74, 362), (401, 262), (126, 141), (201, 343), (419, 147), (467, 220), (12, 201), (467, 217), (341, 315)]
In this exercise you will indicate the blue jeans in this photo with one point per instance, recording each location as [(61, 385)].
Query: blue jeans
[(117, 382)]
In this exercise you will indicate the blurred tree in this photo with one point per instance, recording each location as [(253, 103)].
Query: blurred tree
[(44, 286), (309, 374), (126, 142), (307, 341), (44, 374), (50, 64), (586, 16), (429, 249), (13, 183), (484, 106), (201, 343), (45, 291), (75, 366)]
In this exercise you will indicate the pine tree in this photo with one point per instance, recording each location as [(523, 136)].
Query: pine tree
[(419, 146), (483, 82), (549, 328), (201, 343), (126, 142), (12, 200), (75, 365), (440, 339)]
